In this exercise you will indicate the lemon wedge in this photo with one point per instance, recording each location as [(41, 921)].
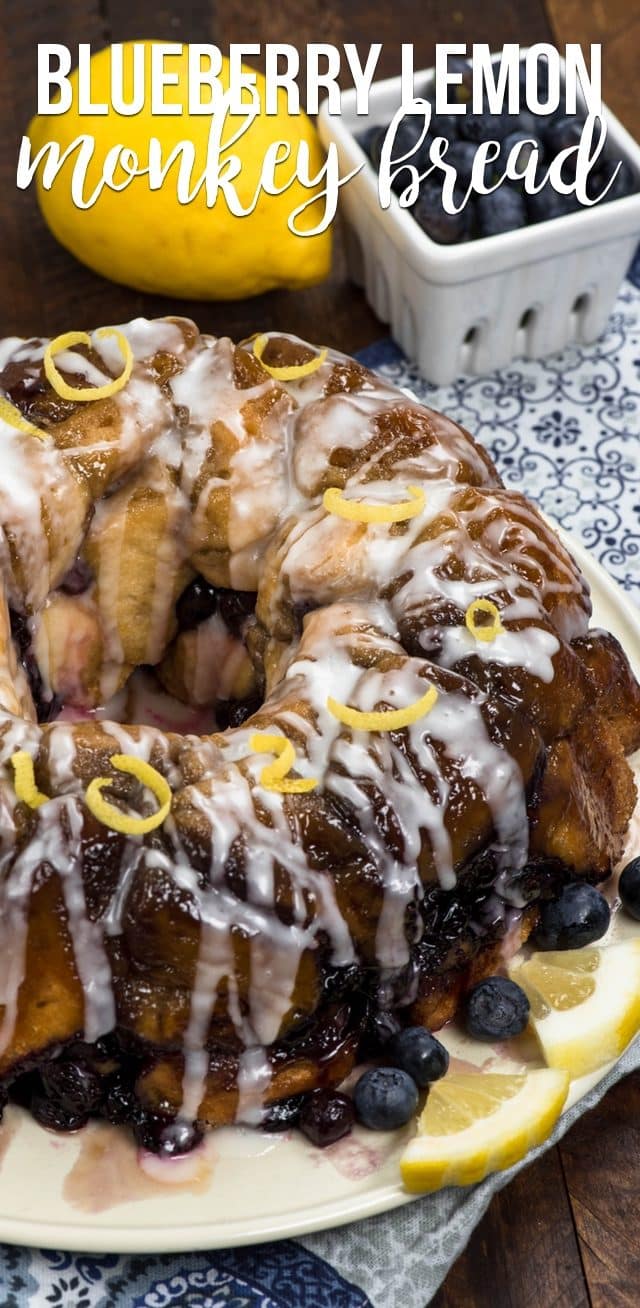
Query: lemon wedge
[(585, 1003), (480, 1122)]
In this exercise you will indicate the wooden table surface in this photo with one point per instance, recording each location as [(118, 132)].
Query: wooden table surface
[(564, 1233)]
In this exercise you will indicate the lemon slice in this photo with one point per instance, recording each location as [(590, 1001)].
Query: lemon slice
[(476, 1123), (585, 1003)]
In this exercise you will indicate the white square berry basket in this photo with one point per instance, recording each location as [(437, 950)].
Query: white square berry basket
[(475, 306)]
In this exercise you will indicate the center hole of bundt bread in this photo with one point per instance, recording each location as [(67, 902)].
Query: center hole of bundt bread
[(204, 681)]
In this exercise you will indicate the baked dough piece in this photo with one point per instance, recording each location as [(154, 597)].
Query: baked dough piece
[(235, 952)]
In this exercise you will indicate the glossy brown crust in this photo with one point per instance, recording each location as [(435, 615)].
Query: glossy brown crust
[(569, 736)]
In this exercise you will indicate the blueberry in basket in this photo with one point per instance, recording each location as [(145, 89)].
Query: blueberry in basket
[(510, 206), (503, 211), (577, 917), (445, 228)]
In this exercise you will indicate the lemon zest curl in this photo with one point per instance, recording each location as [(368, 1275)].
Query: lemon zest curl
[(114, 817), (361, 511), (24, 780), (293, 371), (66, 342), (13, 418), (385, 719), (274, 775), (485, 631)]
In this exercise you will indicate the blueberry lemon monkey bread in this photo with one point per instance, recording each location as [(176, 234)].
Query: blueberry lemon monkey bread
[(419, 738)]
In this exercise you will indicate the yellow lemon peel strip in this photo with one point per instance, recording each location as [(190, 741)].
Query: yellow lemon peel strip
[(114, 817), (14, 418), (361, 511), (66, 342), (274, 775), (387, 719), (486, 631), (295, 370), (24, 780)]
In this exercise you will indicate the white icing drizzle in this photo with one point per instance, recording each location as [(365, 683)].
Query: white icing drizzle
[(237, 473), (532, 649), (57, 842)]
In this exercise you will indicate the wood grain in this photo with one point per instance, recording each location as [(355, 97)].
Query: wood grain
[(525, 1253), (615, 24), (601, 1163)]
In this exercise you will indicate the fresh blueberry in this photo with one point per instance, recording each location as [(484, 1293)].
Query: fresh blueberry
[(496, 1009), (562, 133), (484, 127), (525, 143), (283, 1114), (502, 211), (445, 228), (326, 1116), (196, 603), (625, 181), (385, 1098), (419, 1054), (461, 155), (75, 1086), (528, 123), (376, 142), (460, 91), (447, 125), (548, 203), (578, 917), (629, 888), (405, 143), (542, 79), (408, 132)]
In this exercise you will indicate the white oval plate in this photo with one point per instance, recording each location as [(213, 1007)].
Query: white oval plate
[(89, 1192)]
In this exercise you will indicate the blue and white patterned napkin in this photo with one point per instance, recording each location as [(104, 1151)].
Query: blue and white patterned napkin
[(566, 431)]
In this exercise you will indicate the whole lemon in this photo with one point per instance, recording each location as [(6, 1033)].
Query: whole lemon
[(147, 238)]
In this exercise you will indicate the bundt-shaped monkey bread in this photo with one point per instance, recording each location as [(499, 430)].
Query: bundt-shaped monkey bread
[(399, 732)]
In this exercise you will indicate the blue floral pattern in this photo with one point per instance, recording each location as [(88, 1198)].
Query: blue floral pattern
[(566, 431), (283, 1275)]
